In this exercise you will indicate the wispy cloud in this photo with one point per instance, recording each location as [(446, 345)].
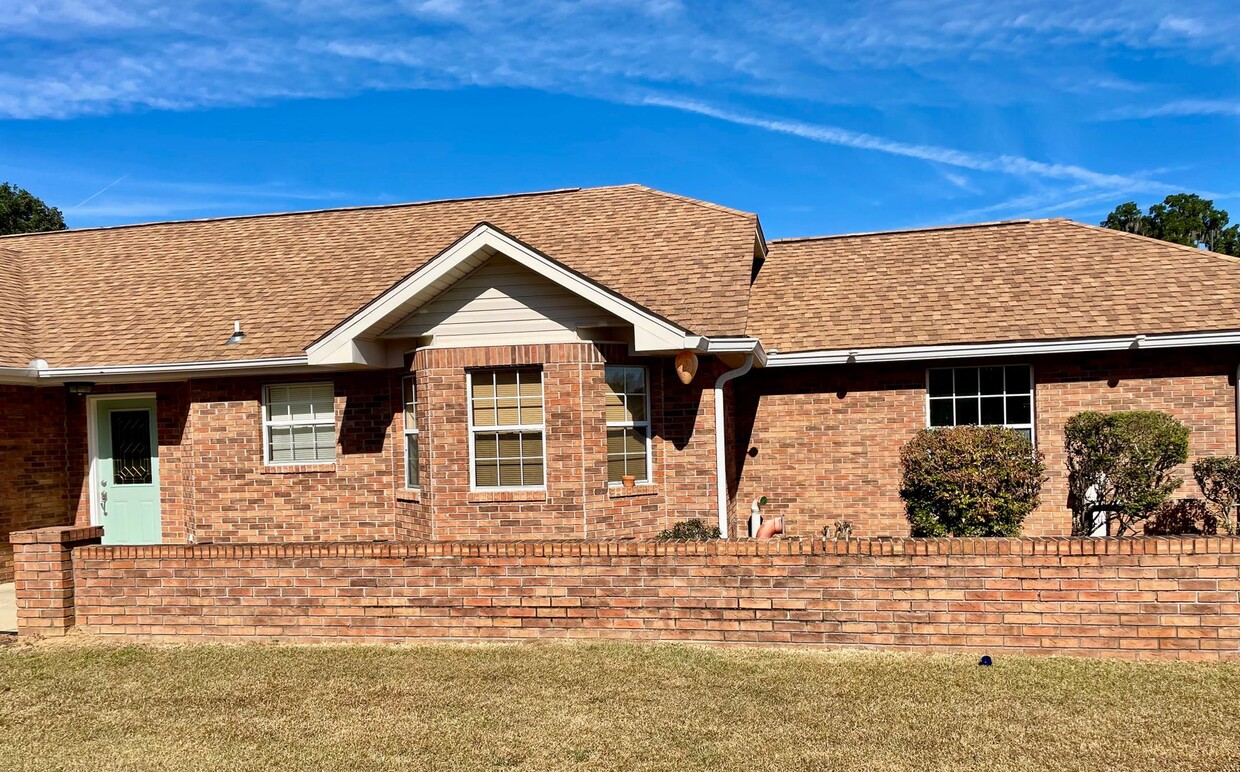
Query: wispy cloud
[(834, 135), (1176, 108)]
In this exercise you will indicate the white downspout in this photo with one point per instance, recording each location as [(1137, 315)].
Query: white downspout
[(721, 463)]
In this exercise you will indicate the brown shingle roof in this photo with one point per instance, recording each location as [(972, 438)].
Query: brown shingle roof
[(169, 292), (1024, 280), (14, 328)]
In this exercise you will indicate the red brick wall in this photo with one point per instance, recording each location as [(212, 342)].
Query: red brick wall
[(32, 463), (578, 501), (1134, 598), (825, 441), (215, 486)]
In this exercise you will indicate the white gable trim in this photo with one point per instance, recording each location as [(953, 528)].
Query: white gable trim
[(353, 342)]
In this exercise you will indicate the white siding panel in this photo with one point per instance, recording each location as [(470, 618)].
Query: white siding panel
[(501, 302)]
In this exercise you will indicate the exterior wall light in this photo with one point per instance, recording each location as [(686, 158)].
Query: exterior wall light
[(79, 388)]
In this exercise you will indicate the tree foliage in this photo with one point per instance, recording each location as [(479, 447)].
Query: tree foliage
[(22, 212), (1181, 218), (1119, 467), (970, 481), (1219, 480)]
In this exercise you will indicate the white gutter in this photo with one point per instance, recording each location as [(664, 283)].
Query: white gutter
[(1020, 348), (724, 346), (721, 466), (173, 368)]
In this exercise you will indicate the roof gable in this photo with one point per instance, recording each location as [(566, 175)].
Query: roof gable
[(357, 340)]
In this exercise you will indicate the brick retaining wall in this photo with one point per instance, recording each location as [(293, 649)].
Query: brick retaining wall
[(1168, 598)]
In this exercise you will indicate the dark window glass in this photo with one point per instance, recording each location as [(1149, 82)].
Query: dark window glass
[(992, 410), (966, 411), (941, 413), (941, 383), (1019, 410), (1017, 379), (131, 447), (992, 380), (966, 381)]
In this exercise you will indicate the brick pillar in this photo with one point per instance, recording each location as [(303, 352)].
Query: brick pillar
[(43, 569)]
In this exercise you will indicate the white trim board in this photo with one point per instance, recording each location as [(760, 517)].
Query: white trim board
[(1017, 348), (355, 341)]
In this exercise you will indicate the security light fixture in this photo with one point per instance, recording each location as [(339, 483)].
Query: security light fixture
[(79, 388), (237, 335)]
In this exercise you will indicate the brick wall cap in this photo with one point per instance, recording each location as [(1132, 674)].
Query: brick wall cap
[(59, 534)]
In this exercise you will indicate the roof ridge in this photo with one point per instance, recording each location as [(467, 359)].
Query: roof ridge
[(927, 229), (294, 213), (686, 199), (1151, 240)]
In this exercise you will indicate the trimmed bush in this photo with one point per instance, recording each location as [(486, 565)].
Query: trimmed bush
[(1119, 467), (1219, 480), (690, 530), (970, 481)]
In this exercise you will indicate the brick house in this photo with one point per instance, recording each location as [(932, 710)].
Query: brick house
[(495, 368)]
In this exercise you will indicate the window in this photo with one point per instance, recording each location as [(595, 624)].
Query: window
[(628, 424), (299, 421), (413, 470), (990, 396), (506, 428)]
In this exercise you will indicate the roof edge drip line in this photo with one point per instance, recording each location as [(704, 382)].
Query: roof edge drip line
[(1017, 348)]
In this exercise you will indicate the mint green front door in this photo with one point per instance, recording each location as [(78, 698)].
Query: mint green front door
[(128, 471)]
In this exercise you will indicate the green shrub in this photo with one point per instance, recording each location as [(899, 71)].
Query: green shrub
[(1119, 466), (970, 481), (1219, 480), (690, 530)]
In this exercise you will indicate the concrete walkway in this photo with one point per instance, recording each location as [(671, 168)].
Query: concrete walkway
[(8, 609)]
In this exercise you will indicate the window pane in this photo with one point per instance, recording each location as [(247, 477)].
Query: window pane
[(966, 381), (484, 413), (531, 414), (635, 380), (281, 444), (412, 478), (992, 411), (966, 411), (486, 473), (941, 413), (324, 443), (510, 472), (533, 473), (411, 417), (615, 441), (941, 383), (531, 445), (1019, 410), (1026, 433), (615, 469), (506, 412), (506, 383), (131, 447), (992, 380), (616, 379), (510, 446), (303, 443), (637, 408), (615, 408), (483, 385), (486, 446), (1018, 379), (531, 385)]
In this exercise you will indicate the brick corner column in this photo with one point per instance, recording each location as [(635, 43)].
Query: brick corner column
[(43, 576)]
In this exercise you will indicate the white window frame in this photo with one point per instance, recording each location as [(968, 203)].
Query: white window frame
[(634, 425), (269, 424), (1032, 426), (407, 407), (474, 431)]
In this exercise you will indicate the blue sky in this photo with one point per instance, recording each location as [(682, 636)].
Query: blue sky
[(822, 117)]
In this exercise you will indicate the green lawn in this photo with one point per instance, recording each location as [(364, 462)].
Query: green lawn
[(81, 706)]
